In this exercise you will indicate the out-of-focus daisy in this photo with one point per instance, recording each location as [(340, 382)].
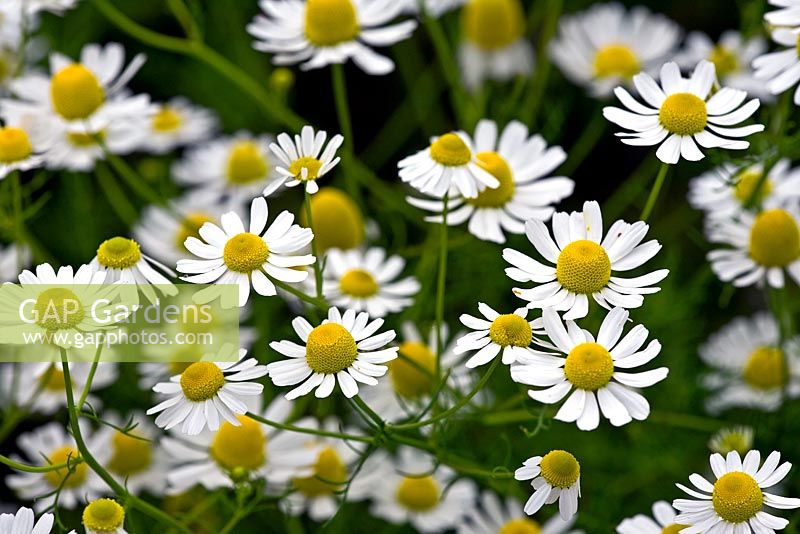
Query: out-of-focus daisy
[(781, 70), (13, 258), (367, 281), (23, 144), (737, 438), (316, 33), (232, 255), (789, 15), (508, 517), (104, 516), (233, 169), (679, 114), (606, 46), (664, 522), (337, 220), (584, 263), (765, 244), (303, 161), (22, 522), (510, 333), (343, 348), (592, 368), (449, 166), (207, 392), (412, 489), (724, 192), (433, 8), (556, 476), (494, 45), (178, 123), (41, 386), (122, 260), (751, 367), (520, 163), (57, 7), (735, 501)]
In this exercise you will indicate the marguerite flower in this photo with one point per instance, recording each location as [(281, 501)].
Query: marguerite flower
[(178, 123), (495, 515), (664, 522), (556, 476), (681, 111), (104, 516), (765, 244), (206, 392), (781, 70), (337, 221), (606, 46), (734, 502), (343, 348), (584, 263), (789, 15), (510, 333), (232, 255), (520, 163), (738, 438), (22, 522), (23, 145), (316, 33), (592, 369), (122, 260), (303, 161), (366, 280)]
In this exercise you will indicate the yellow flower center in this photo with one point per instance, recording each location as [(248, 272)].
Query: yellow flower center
[(201, 381), (412, 372), (774, 239), (330, 475), (495, 165), (58, 308), (724, 60), (616, 60), (311, 165), (746, 186), (239, 447), (330, 348), (53, 380), (737, 497), (167, 120), (74, 479), (798, 45), (330, 22), (82, 140), (103, 515), (130, 454), (119, 253), (358, 283), (673, 529), (493, 24), (683, 114), (245, 253), (450, 150), (14, 145), (511, 330), (418, 494), (190, 227), (583, 267), (76, 93), (560, 469), (737, 439), (589, 366), (338, 222), (246, 163), (521, 525), (765, 368)]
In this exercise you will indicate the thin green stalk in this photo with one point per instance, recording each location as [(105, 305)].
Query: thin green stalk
[(651, 200), (312, 431), (358, 401), (92, 370), (19, 234), (440, 286), (131, 177), (345, 124), (533, 102), (27, 468), (451, 71), (116, 197), (585, 143), (314, 250)]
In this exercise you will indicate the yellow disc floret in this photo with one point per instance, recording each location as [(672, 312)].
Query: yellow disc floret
[(119, 253), (311, 165), (201, 381), (746, 185), (239, 447), (130, 454), (167, 120), (683, 114), (338, 222), (493, 24), (673, 528), (418, 494), (330, 475), (76, 93), (190, 227), (583, 267), (358, 283), (511, 330), (724, 60), (14, 145), (450, 150), (103, 515), (589, 366), (765, 369), (53, 380), (774, 239), (412, 372), (498, 197), (560, 469), (616, 60), (330, 22), (737, 497), (58, 308), (246, 163), (75, 474), (245, 253), (330, 348), (521, 525)]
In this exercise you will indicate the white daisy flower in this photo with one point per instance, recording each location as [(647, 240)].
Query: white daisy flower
[(723, 193), (789, 15), (303, 161), (584, 263), (781, 70), (178, 123), (606, 46), (337, 220), (592, 368), (233, 169), (316, 33), (412, 489), (556, 476), (738, 438), (343, 348), (104, 516), (494, 46), (752, 369), (495, 515), (765, 244), (664, 522), (22, 522), (449, 166), (13, 258), (366, 280), (23, 144), (680, 113), (520, 163), (207, 392), (433, 8), (57, 7), (51, 445), (510, 333), (122, 261), (734, 503), (232, 255)]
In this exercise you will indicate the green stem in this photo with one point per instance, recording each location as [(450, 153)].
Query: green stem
[(531, 105), (585, 143), (19, 232), (440, 283), (116, 197), (345, 124), (651, 200), (358, 401), (131, 177), (88, 385), (27, 468), (449, 67), (314, 250), (315, 432)]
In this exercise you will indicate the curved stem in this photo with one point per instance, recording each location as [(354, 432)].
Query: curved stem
[(88, 385), (314, 250), (651, 200), (358, 401), (318, 303), (345, 124), (315, 432), (440, 283), (27, 468)]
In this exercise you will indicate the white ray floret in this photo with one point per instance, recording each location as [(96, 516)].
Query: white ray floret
[(303, 161)]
